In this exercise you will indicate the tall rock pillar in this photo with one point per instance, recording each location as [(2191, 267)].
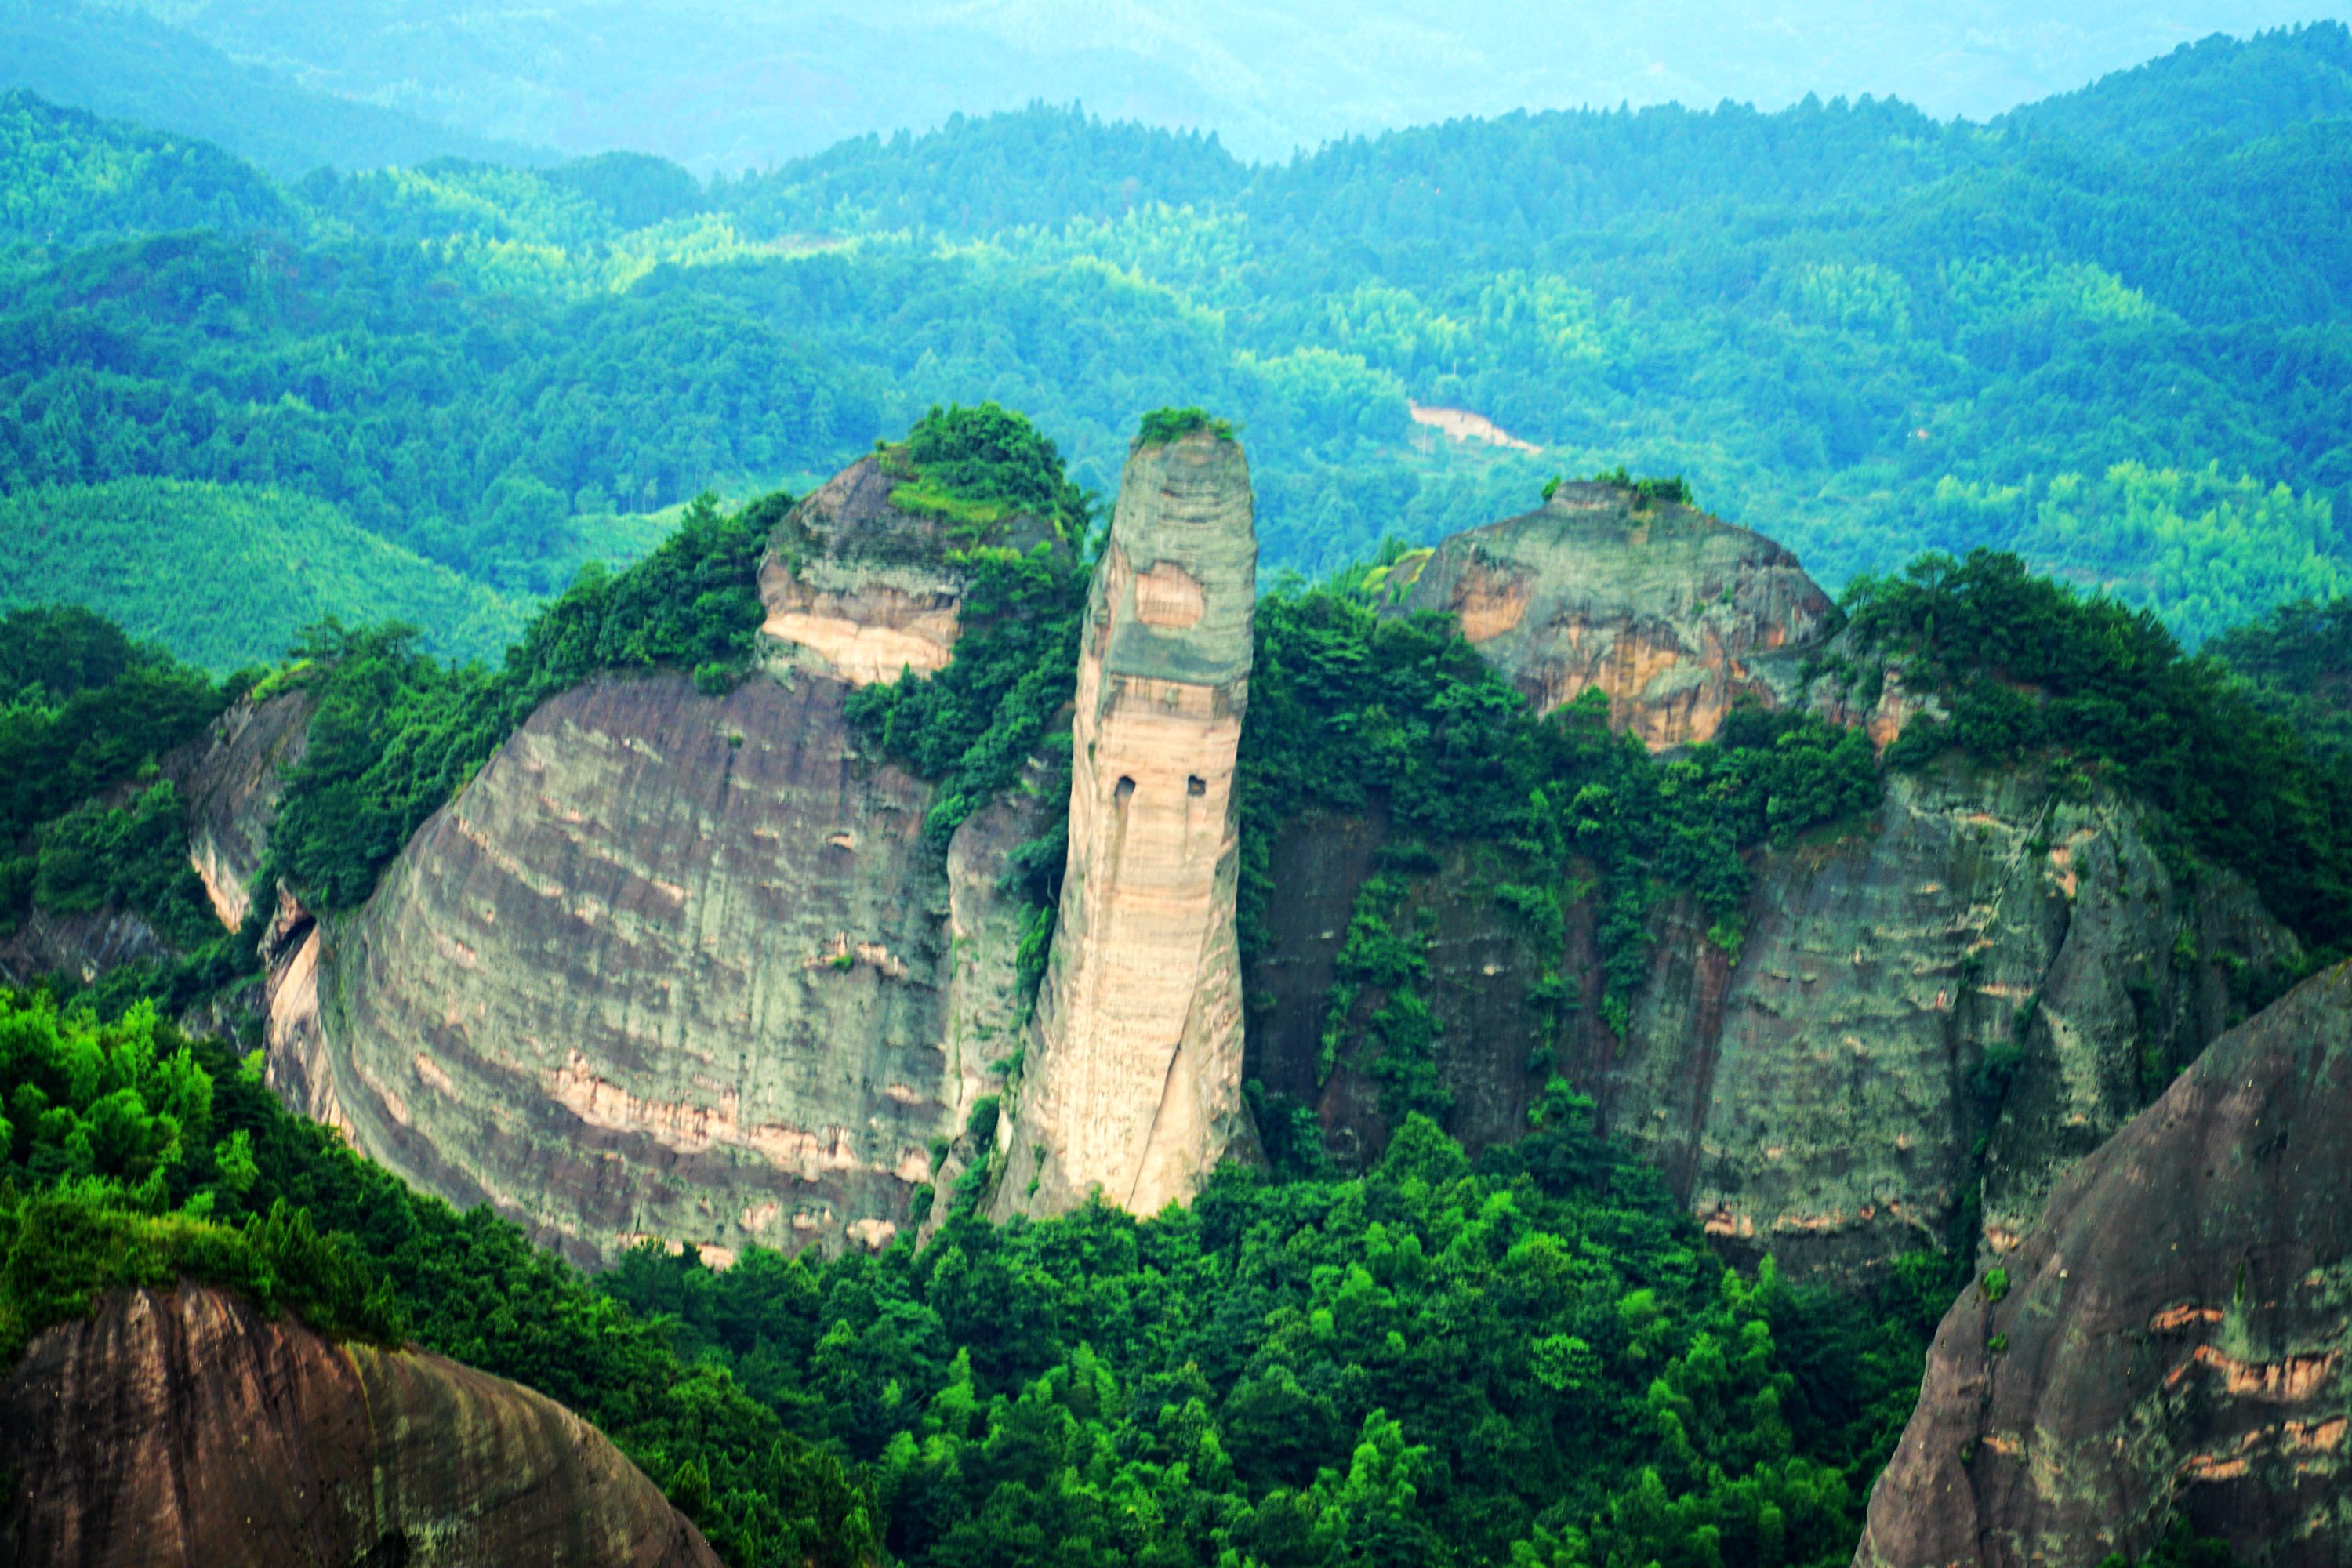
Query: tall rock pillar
[(1133, 1080)]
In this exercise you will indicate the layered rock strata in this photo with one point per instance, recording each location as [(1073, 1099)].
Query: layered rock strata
[(1672, 614), (2173, 1339), (182, 1429), (1975, 987), (1133, 1086), (679, 965)]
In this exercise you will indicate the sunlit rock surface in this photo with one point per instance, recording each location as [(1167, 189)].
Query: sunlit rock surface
[(1133, 1086)]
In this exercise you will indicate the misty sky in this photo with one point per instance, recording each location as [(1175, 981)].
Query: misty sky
[(731, 83)]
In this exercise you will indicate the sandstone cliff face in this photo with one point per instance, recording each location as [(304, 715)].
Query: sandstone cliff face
[(2174, 1337), (230, 782), (1674, 614), (1819, 1093), (180, 1429), (679, 965), (1133, 1086)]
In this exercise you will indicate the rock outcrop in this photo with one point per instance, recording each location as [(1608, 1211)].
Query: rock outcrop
[(230, 782), (682, 965), (1133, 1083), (1979, 984), (2173, 1339), (1674, 614), (1967, 994), (182, 1429)]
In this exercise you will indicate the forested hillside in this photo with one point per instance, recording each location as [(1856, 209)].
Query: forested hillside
[(2108, 332)]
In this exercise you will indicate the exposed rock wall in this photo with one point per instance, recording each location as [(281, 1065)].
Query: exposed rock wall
[(182, 1429), (2173, 1337), (1674, 614), (1133, 1087), (680, 965), (230, 782), (671, 965), (1821, 1093), (83, 946)]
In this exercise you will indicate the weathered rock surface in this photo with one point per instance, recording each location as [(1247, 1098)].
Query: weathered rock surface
[(230, 782), (180, 1428), (1133, 1086), (83, 945), (679, 965), (865, 589), (2173, 1337), (671, 965), (1820, 1092), (1674, 614)]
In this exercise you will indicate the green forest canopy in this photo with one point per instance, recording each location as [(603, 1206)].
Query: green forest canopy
[(1862, 331), (1537, 1358)]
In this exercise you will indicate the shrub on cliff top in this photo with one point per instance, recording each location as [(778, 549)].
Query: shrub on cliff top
[(397, 734), (1163, 426), (2027, 665), (977, 467)]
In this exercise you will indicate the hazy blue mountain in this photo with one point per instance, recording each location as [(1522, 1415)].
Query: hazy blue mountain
[(127, 66), (740, 83)]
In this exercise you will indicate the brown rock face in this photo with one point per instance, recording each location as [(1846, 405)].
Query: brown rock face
[(2174, 1339), (1134, 1087), (181, 1430), (1674, 614), (671, 965), (863, 589)]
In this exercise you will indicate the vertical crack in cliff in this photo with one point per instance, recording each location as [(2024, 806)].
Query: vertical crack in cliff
[(1135, 1091)]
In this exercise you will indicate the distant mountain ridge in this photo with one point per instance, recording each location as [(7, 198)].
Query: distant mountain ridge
[(730, 84), (117, 62)]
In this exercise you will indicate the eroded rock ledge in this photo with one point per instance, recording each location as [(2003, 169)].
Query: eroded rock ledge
[(1674, 614)]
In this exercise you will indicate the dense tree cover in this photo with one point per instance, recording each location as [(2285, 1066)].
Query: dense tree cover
[(69, 178), (485, 433), (397, 732), (226, 576), (129, 1155), (2299, 661), (2216, 87), (82, 707), (1534, 1360), (2122, 354), (995, 172), (2027, 665), (85, 715)]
